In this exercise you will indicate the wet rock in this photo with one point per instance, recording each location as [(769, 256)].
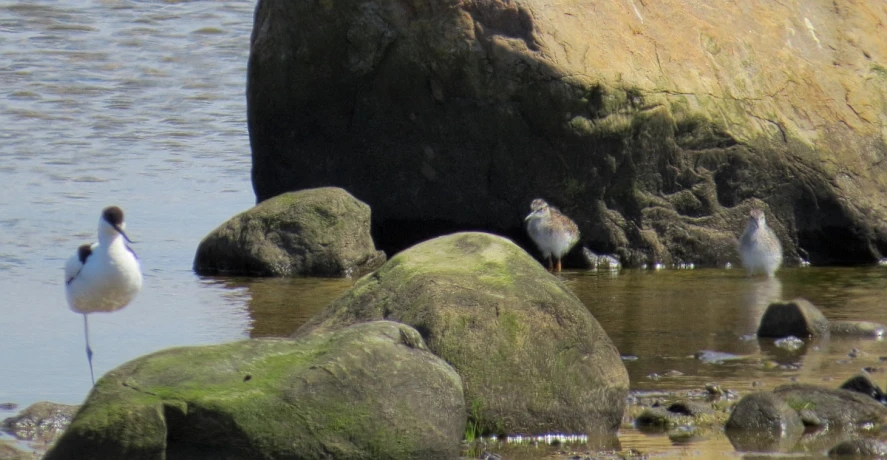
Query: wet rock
[(714, 389), (532, 357), (811, 419), (864, 385), (675, 414), (763, 422), (317, 232), (859, 448), (42, 421), (654, 417), (839, 408), (764, 412), (690, 408), (601, 261), (798, 317), (857, 328), (368, 391)]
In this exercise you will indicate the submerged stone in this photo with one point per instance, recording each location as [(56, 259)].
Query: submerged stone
[(859, 448), (837, 407), (857, 328), (798, 318), (763, 422), (863, 384)]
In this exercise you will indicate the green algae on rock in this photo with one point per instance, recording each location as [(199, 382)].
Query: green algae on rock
[(368, 391), (531, 356), (320, 232)]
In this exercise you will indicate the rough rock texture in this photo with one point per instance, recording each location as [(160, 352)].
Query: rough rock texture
[(368, 391), (863, 384), (679, 413), (839, 408), (859, 448), (532, 358), (41, 421), (857, 328), (798, 318), (764, 412), (322, 232), (655, 125)]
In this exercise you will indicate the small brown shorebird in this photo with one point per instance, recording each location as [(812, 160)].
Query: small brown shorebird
[(553, 232), (758, 246)]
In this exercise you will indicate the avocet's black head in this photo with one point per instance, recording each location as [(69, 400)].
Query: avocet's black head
[(113, 215)]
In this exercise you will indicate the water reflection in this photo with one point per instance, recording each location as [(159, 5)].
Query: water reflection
[(665, 317), (758, 293), (278, 306)]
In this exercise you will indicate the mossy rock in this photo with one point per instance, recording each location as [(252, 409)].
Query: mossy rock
[(531, 356), (371, 391), (839, 408), (319, 232)]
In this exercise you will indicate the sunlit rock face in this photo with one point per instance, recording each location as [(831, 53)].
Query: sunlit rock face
[(655, 125)]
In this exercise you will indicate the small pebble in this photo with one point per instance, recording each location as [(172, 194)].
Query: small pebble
[(713, 388)]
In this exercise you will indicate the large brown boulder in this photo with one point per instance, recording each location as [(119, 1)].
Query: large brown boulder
[(655, 125), (532, 358)]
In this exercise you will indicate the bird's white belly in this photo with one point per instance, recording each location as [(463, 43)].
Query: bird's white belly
[(550, 242), (561, 242), (104, 285), (540, 235), (758, 257)]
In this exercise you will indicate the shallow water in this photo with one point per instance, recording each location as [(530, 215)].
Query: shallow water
[(136, 103), (141, 104)]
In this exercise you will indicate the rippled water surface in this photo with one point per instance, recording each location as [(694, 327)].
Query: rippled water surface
[(141, 104), (136, 103)]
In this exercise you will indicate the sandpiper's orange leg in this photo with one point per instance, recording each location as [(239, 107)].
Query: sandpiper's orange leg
[(558, 265), (550, 267)]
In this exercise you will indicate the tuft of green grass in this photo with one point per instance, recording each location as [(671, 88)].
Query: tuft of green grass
[(472, 428)]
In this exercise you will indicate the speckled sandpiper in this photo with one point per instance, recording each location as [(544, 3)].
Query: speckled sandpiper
[(759, 246), (553, 232)]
